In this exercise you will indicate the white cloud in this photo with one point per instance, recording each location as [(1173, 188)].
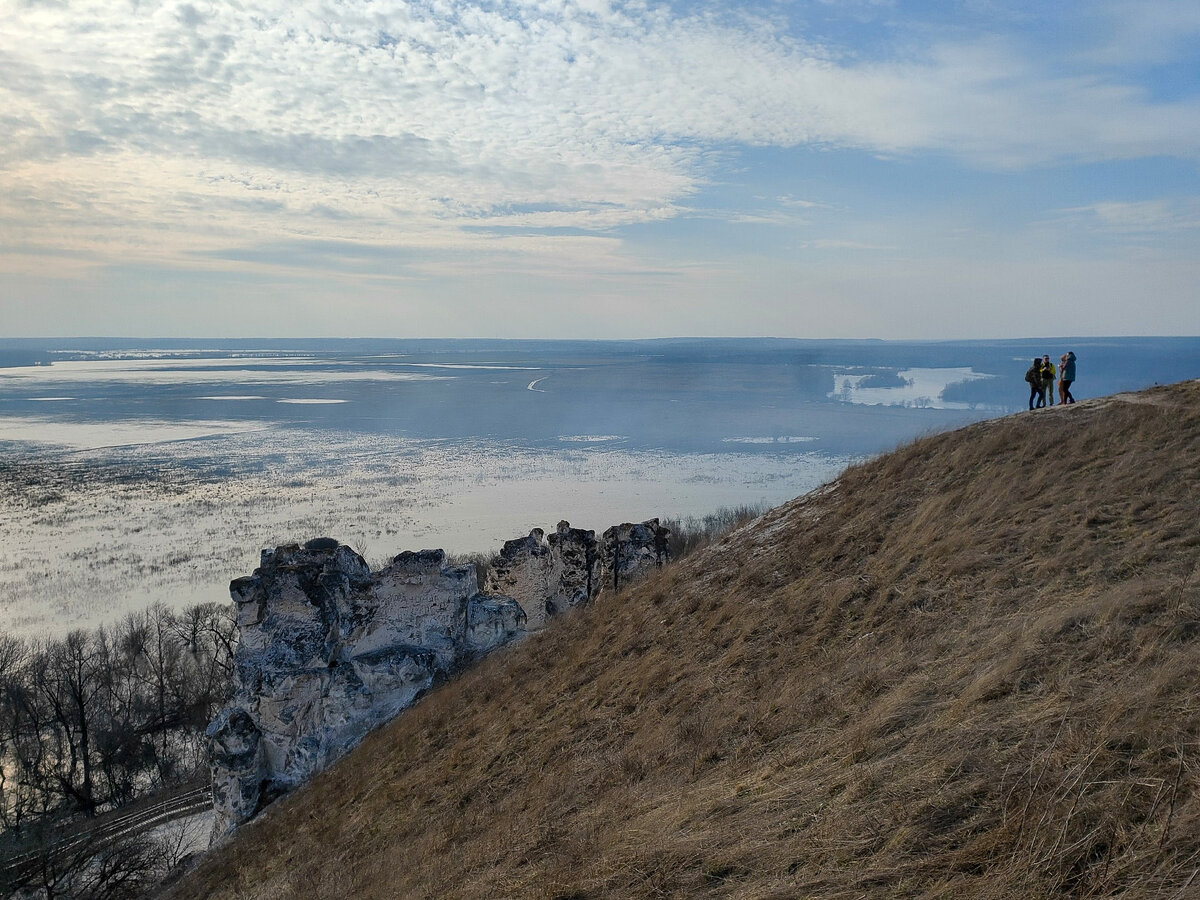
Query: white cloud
[(831, 244), (986, 104), (1148, 31), (1145, 217), (167, 132), (787, 200)]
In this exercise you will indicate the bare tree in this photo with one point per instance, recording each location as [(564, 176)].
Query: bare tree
[(13, 805), (70, 682), (96, 720)]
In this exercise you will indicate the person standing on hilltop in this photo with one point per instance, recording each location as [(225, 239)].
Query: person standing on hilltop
[(1048, 374), (1034, 377), (1068, 376)]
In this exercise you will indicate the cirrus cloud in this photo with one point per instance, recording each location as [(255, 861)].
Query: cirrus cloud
[(169, 132)]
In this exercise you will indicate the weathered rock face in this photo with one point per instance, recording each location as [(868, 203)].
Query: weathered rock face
[(522, 571), (328, 650), (547, 577), (631, 551), (575, 574)]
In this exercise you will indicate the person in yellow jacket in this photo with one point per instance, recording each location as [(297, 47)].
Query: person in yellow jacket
[(1049, 376)]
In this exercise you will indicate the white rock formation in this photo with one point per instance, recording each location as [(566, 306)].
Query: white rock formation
[(547, 576), (328, 650), (575, 569), (631, 551), (522, 571)]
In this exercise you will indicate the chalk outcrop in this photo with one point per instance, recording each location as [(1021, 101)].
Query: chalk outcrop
[(631, 551), (547, 576), (327, 650)]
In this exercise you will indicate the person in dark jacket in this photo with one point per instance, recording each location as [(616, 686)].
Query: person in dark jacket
[(1034, 377), (1067, 371)]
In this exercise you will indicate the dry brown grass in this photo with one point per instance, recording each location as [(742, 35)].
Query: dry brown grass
[(970, 668)]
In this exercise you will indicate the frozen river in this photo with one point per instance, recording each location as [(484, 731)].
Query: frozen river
[(132, 473)]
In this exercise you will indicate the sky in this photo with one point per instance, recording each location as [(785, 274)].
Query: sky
[(599, 169)]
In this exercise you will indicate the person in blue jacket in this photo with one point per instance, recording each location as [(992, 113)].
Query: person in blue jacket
[(1067, 374)]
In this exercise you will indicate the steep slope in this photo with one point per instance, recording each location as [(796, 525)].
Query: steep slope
[(968, 668)]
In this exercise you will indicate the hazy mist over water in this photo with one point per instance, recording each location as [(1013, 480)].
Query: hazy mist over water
[(684, 395), (136, 471)]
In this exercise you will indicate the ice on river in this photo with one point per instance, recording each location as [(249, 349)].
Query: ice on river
[(93, 534)]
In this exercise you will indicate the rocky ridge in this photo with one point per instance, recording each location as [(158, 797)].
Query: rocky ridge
[(328, 649)]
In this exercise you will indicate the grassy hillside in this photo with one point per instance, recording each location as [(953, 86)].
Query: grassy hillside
[(968, 668)]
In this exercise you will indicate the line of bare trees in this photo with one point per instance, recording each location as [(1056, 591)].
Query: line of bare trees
[(95, 720)]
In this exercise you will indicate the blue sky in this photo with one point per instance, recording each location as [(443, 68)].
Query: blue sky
[(588, 168)]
